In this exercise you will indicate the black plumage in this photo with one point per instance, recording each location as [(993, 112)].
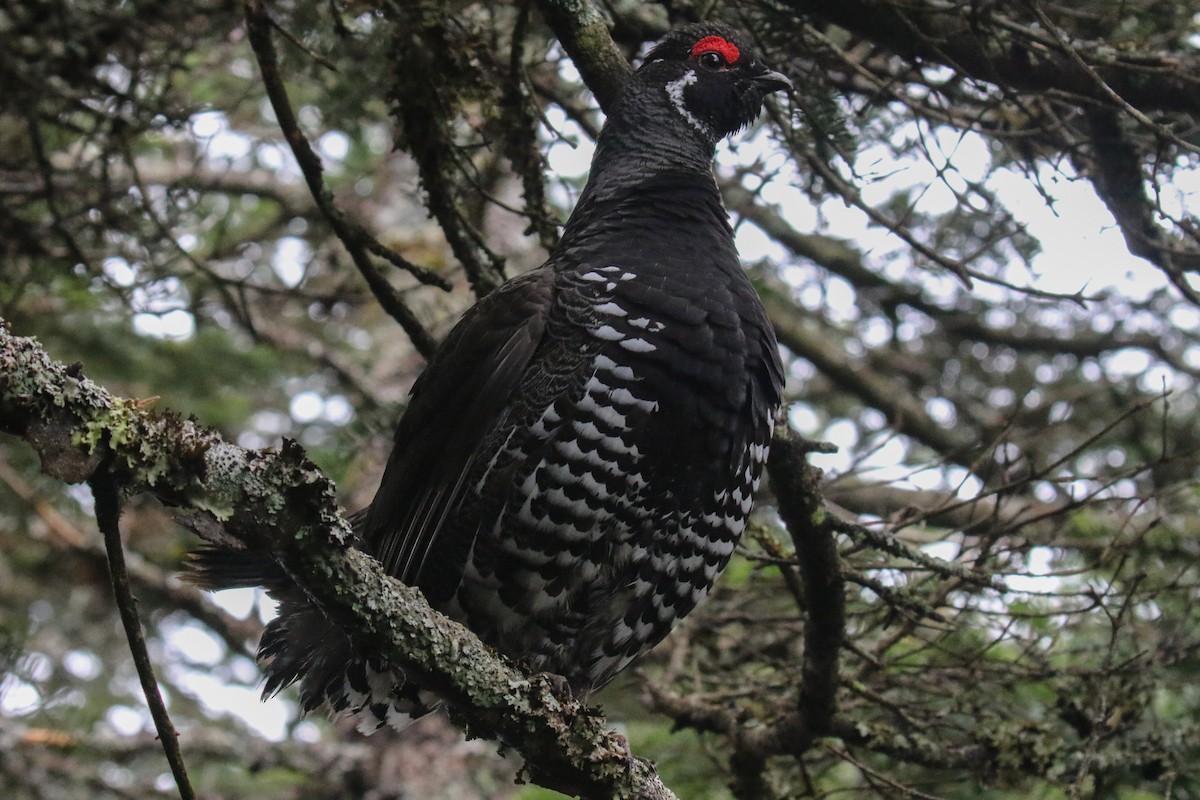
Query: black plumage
[(577, 462)]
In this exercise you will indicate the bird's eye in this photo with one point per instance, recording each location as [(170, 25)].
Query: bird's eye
[(711, 60)]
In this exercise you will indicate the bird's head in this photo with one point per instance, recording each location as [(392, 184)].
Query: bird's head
[(711, 77)]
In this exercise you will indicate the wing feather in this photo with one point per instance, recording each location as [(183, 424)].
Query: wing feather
[(455, 402)]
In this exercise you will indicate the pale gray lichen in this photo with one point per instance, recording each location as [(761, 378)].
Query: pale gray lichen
[(224, 479)]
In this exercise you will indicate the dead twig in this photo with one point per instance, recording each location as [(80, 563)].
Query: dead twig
[(353, 236), (107, 494)]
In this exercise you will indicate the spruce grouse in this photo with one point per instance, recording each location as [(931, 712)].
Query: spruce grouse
[(577, 462)]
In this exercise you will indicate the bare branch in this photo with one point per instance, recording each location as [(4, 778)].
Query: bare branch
[(906, 416), (988, 46), (107, 494), (356, 240)]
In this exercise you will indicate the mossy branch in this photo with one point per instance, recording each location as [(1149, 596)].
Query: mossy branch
[(279, 502), (580, 27)]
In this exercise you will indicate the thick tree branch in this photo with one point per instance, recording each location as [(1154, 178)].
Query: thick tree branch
[(985, 44), (1115, 168), (796, 486), (280, 503), (581, 29)]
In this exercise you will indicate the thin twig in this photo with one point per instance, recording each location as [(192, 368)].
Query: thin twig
[(107, 495), (352, 235), (308, 51), (1067, 48), (887, 542)]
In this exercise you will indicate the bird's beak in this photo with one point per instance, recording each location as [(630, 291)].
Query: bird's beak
[(773, 81)]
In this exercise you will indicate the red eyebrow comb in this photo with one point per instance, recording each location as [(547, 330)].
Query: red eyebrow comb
[(715, 44)]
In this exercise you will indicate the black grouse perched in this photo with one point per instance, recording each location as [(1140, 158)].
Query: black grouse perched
[(578, 460)]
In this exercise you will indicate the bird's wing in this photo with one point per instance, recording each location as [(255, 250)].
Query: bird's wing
[(456, 401)]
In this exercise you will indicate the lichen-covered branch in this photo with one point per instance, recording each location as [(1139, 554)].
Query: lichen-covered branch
[(280, 503), (428, 114), (796, 486), (580, 28)]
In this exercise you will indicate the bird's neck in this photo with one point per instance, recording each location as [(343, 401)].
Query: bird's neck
[(648, 158)]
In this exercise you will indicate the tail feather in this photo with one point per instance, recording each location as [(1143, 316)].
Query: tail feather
[(304, 646), (214, 568)]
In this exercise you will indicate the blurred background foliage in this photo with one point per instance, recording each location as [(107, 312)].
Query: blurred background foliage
[(973, 225)]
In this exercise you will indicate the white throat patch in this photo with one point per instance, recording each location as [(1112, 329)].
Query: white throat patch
[(675, 92)]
